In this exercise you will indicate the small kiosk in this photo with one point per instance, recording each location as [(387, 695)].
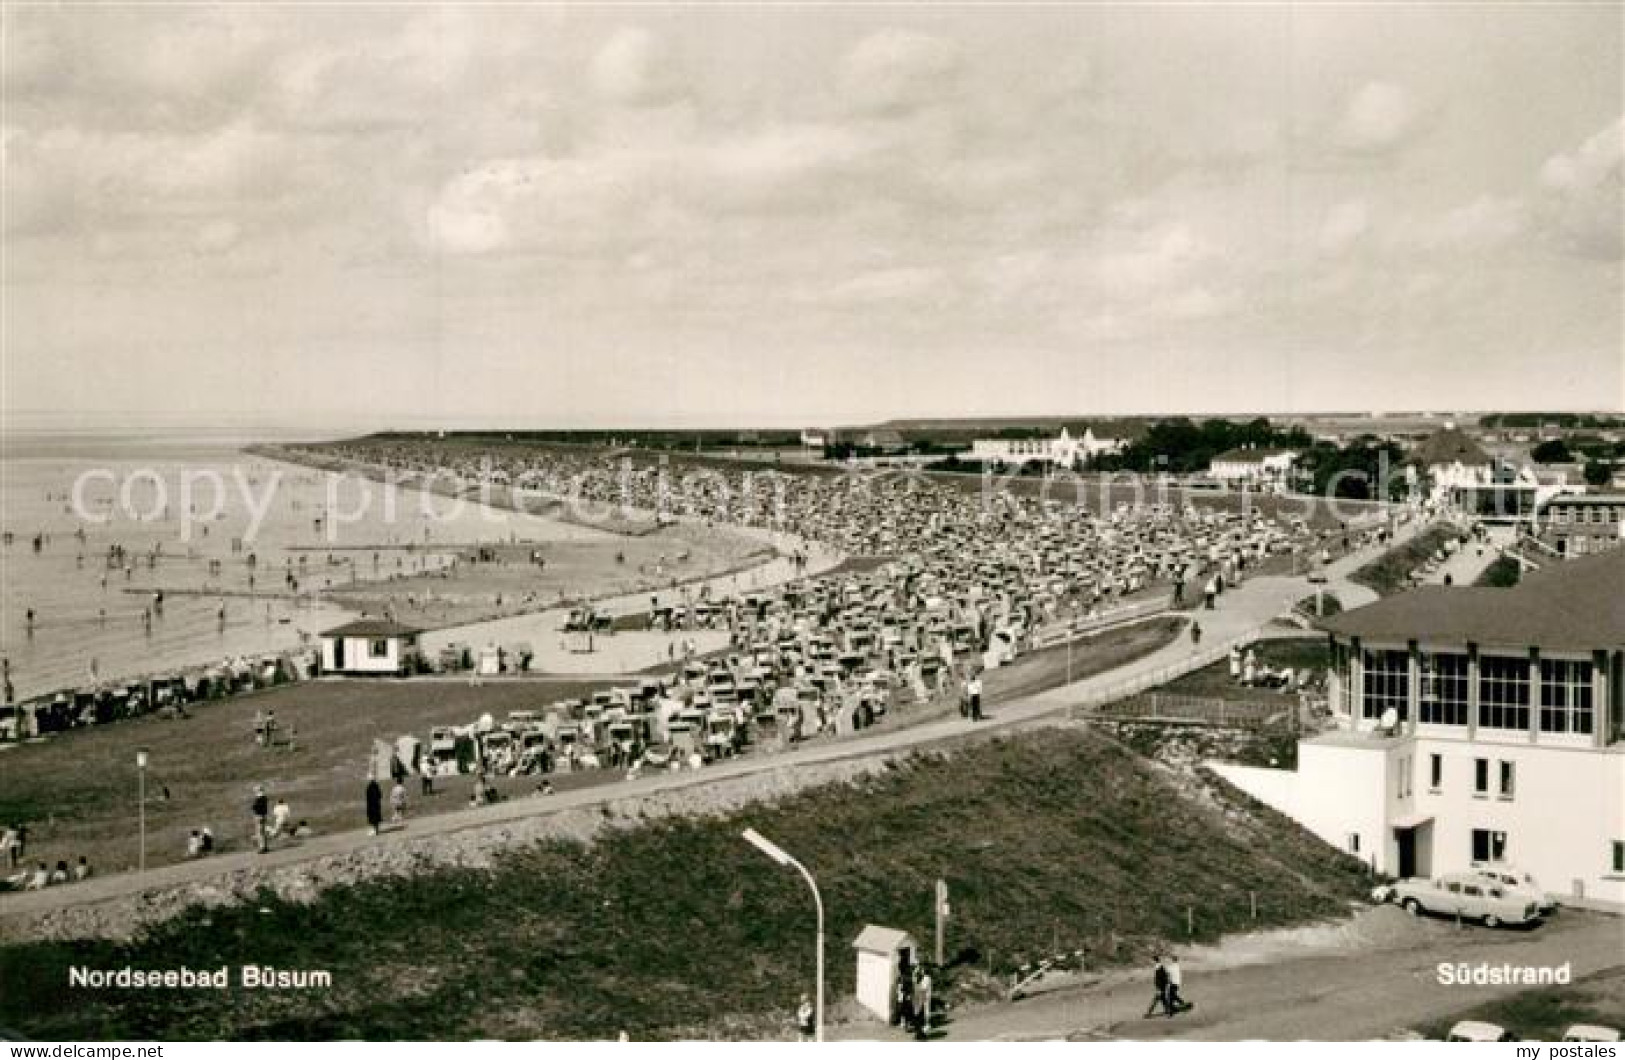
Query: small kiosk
[(884, 955)]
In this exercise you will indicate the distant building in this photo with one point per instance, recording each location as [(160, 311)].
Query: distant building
[(1477, 727), (1579, 523), (370, 646), (884, 440), (815, 438), (1460, 474), (1258, 468), (1063, 450)]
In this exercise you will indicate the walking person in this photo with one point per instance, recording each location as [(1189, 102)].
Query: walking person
[(375, 805), (397, 802), (1159, 981), (261, 809), (1196, 634), (973, 689), (280, 814), (1175, 981), (923, 1006)]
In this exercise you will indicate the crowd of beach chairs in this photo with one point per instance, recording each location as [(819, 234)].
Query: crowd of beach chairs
[(165, 695)]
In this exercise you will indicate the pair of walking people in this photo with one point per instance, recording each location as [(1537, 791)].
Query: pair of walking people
[(1168, 981)]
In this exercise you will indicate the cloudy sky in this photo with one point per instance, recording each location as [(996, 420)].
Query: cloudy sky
[(575, 215)]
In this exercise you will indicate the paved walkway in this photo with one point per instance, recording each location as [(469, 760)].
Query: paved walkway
[(1472, 559), (1240, 616), (1340, 990)]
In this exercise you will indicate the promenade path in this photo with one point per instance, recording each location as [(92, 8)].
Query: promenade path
[(1241, 616), (1362, 981), (1471, 559)]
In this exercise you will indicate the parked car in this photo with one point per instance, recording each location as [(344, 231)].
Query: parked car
[(1590, 1032), (1521, 882), (1479, 1031), (1467, 895)]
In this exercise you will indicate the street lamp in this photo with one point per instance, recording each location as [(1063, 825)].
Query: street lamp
[(778, 854), (141, 802)]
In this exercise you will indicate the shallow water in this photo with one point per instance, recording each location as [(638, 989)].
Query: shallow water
[(217, 531)]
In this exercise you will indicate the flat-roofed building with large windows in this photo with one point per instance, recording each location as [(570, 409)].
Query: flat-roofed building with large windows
[(1476, 726)]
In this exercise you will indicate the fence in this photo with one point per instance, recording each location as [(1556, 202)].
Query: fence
[(1083, 625), (1091, 702), (1199, 710)]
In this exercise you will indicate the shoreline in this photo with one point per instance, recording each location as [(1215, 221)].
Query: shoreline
[(769, 549)]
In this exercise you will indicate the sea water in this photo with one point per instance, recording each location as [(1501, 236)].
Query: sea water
[(240, 546)]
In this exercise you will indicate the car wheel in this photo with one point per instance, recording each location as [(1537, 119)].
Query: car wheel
[(1412, 906), (1492, 921)]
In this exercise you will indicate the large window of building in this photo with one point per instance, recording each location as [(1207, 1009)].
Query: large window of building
[(1442, 697), (1387, 683), (1503, 693), (1565, 696)]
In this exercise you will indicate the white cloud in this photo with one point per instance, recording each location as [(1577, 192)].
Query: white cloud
[(393, 77), (1487, 222), (1344, 225), (217, 237), (1376, 119), (896, 71), (1153, 260), (891, 286), (1585, 193), (636, 69)]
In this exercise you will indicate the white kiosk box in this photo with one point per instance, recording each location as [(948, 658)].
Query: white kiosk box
[(883, 954)]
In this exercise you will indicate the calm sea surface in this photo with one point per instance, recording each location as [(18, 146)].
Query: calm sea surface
[(212, 528)]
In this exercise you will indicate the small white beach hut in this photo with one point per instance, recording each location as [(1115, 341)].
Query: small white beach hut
[(370, 646)]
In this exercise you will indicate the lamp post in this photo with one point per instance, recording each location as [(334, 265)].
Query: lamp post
[(141, 803), (778, 854)]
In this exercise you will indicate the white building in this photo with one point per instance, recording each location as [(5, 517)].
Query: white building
[(1462, 475), (1062, 451), (1477, 726), (1262, 468), (370, 646)]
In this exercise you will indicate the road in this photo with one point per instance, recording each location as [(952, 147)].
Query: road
[(1344, 989), (1241, 616)]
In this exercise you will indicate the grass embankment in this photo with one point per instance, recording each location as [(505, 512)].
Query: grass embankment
[(1298, 653), (1544, 1014), (1060, 837), (1503, 573), (77, 792), (1391, 572)]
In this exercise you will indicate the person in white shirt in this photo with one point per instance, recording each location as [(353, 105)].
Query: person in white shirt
[(279, 817), (1175, 982)]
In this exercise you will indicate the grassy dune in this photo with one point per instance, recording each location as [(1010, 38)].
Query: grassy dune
[(1052, 838)]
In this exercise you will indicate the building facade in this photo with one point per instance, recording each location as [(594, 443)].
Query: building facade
[(1475, 727), (1268, 469), (1064, 450), (1576, 524)]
